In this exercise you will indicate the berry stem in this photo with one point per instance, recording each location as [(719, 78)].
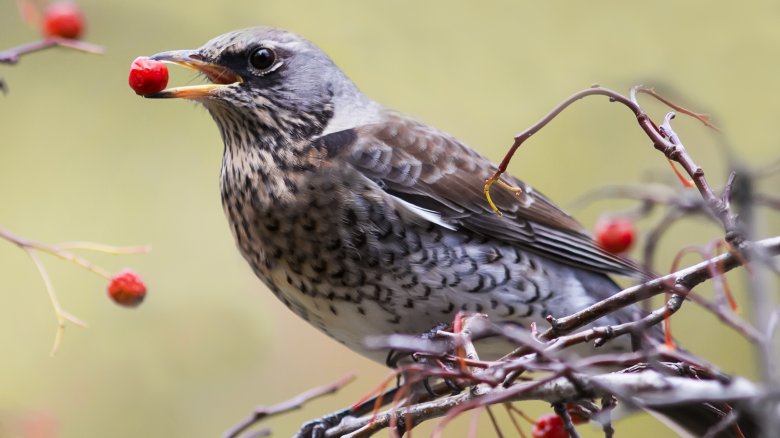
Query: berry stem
[(106, 249), (63, 317), (56, 251), (32, 247), (61, 250)]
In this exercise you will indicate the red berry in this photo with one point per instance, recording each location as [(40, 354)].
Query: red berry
[(549, 426), (127, 288), (615, 234), (63, 20), (147, 76)]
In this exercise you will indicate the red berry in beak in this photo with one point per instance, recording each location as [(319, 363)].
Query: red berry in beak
[(147, 76)]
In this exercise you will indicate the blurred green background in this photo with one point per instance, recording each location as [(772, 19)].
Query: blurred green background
[(83, 158)]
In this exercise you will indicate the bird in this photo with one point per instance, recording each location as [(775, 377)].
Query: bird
[(367, 222)]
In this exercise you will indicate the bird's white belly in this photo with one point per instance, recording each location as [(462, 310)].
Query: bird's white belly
[(338, 319)]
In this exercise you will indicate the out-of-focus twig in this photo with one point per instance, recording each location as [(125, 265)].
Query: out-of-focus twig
[(12, 55), (686, 278), (263, 412), (62, 251)]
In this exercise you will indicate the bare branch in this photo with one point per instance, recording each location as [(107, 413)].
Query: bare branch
[(263, 412), (12, 55), (685, 279), (648, 388)]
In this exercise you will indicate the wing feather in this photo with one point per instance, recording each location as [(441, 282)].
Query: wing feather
[(436, 173)]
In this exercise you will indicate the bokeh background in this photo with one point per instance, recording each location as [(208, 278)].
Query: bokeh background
[(83, 158)]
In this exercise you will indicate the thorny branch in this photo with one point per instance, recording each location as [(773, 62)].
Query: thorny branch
[(655, 375)]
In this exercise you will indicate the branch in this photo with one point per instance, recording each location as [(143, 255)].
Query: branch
[(558, 377), (61, 250), (263, 412), (687, 279), (663, 138), (12, 55), (545, 357), (648, 388), (645, 123)]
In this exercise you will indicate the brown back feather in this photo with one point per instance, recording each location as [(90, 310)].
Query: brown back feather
[(435, 171)]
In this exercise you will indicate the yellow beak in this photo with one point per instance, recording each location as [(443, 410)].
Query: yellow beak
[(219, 76)]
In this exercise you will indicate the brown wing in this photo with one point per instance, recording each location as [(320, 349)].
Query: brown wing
[(434, 171)]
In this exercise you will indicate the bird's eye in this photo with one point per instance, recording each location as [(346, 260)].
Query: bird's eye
[(262, 58)]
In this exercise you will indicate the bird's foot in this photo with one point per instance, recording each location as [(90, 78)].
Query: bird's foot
[(317, 428), (396, 357), (432, 388)]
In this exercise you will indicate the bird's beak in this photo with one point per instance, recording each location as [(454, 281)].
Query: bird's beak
[(219, 76)]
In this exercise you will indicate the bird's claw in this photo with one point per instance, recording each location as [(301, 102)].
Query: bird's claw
[(317, 428)]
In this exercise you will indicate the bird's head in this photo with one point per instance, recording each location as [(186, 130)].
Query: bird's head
[(271, 79)]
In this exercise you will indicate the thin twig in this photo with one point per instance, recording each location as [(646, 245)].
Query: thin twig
[(102, 248), (63, 317), (685, 278), (494, 422), (704, 118), (12, 55), (294, 403), (608, 403), (644, 121), (568, 425), (59, 251)]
